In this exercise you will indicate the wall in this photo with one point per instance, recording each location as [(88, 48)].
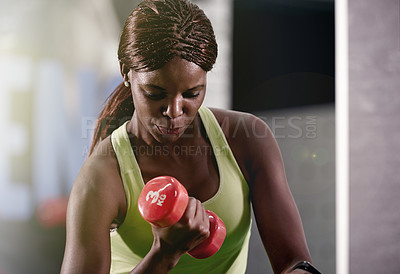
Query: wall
[(374, 89)]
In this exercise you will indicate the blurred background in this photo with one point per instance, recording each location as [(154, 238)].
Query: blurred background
[(58, 64)]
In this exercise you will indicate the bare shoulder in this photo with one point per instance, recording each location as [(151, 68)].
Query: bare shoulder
[(102, 162), (230, 116), (100, 179), (249, 137), (243, 128), (240, 124)]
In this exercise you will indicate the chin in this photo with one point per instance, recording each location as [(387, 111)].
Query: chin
[(170, 138)]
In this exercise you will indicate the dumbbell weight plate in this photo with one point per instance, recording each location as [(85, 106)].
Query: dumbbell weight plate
[(163, 201), (214, 242)]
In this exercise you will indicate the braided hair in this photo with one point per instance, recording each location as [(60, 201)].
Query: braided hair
[(154, 33)]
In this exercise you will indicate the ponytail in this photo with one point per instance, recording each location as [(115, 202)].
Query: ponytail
[(153, 34), (118, 109)]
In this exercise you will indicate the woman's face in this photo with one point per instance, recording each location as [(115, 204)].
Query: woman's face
[(166, 100)]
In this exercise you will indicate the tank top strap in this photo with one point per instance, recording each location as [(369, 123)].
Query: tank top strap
[(129, 168), (218, 140)]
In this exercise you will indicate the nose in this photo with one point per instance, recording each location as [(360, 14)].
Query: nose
[(174, 108)]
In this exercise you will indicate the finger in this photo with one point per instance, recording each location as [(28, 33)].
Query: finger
[(202, 218), (190, 211)]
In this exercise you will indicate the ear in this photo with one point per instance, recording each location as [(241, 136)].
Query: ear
[(124, 71)]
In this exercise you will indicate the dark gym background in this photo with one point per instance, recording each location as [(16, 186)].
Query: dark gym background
[(283, 54)]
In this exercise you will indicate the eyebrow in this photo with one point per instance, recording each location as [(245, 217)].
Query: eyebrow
[(163, 89), (153, 86), (196, 87)]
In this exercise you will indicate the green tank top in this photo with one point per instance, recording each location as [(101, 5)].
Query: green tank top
[(133, 239)]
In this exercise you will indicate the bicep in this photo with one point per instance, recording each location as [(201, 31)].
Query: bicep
[(276, 213), (91, 210)]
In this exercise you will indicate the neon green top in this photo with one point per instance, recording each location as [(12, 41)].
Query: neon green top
[(133, 239)]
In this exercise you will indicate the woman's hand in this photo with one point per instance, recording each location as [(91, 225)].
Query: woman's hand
[(187, 233), (170, 243)]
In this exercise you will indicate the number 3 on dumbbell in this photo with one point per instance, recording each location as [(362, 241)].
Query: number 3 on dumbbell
[(155, 196)]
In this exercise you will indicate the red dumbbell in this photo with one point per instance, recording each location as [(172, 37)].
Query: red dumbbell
[(162, 203)]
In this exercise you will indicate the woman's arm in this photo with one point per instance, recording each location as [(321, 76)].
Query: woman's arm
[(275, 211), (97, 199)]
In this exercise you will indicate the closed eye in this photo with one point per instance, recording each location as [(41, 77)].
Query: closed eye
[(193, 92), (154, 96), (190, 94)]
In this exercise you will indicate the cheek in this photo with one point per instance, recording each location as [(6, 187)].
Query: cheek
[(196, 104), (143, 105)]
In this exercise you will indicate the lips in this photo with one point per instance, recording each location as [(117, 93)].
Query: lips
[(169, 131)]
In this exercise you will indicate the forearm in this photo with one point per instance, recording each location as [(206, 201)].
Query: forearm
[(160, 259)]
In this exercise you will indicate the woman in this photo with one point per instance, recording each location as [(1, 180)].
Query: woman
[(227, 161)]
